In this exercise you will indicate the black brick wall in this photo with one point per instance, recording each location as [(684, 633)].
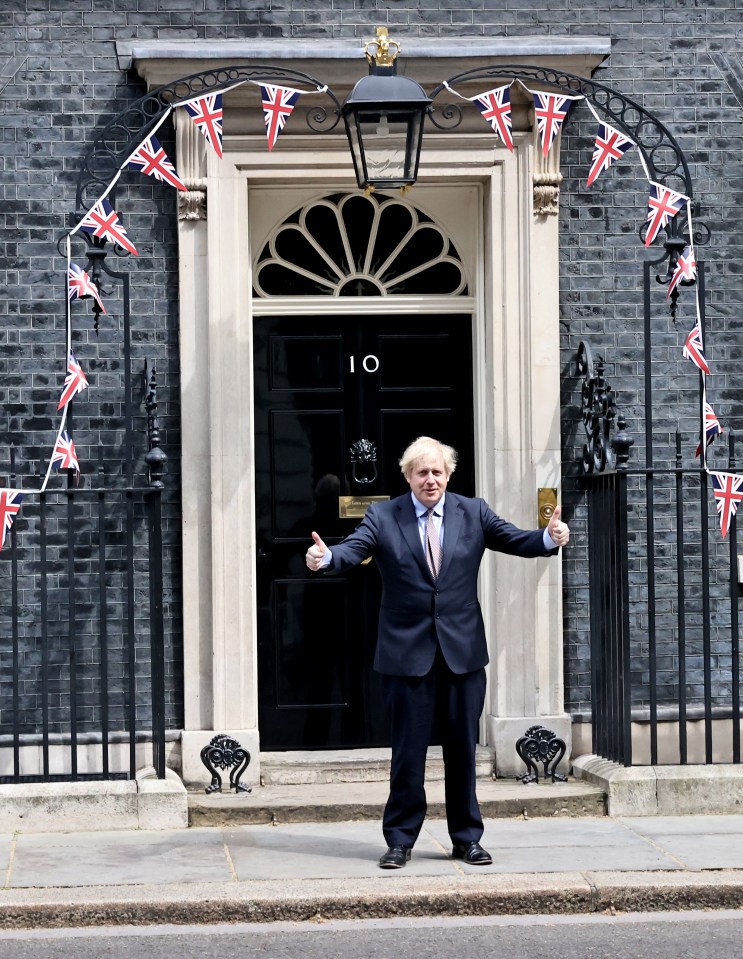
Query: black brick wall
[(59, 81)]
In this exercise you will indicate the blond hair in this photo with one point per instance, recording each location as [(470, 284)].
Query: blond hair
[(423, 446)]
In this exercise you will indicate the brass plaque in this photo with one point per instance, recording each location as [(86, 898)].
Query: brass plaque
[(355, 507), (546, 503)]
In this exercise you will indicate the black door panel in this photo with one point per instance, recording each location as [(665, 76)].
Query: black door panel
[(321, 384)]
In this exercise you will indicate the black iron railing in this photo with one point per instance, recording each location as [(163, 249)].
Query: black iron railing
[(83, 681), (665, 641), (664, 589)]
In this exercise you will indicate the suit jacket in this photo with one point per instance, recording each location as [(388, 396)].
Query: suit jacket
[(417, 613)]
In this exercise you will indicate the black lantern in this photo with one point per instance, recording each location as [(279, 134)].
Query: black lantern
[(384, 120)]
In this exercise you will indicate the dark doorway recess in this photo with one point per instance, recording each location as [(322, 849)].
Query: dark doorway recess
[(322, 383)]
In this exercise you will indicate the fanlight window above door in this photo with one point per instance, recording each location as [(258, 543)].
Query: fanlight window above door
[(356, 245)]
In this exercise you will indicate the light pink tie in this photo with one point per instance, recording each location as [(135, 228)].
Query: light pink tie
[(434, 553)]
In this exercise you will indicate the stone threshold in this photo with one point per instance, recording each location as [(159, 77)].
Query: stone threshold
[(297, 768), (345, 802)]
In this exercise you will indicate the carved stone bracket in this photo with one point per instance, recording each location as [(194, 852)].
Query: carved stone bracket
[(546, 178), (191, 149)]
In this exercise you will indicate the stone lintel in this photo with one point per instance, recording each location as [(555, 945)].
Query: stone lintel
[(340, 62)]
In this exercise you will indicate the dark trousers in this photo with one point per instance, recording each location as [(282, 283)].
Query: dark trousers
[(414, 702)]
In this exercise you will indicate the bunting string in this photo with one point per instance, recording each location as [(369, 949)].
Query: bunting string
[(278, 102)]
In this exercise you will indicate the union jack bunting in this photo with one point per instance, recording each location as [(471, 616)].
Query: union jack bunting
[(64, 456), (74, 383), (610, 145), (151, 159), (104, 222), (206, 113), (80, 285), (694, 349), (495, 106), (712, 427), (10, 504), (550, 110), (686, 270), (278, 105), (728, 490), (663, 205)]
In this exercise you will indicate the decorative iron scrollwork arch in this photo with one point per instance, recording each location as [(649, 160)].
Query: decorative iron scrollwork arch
[(664, 157), (119, 138)]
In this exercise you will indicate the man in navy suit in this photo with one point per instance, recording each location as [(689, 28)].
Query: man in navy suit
[(431, 649)]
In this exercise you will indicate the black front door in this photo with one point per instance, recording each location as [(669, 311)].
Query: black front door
[(322, 384)]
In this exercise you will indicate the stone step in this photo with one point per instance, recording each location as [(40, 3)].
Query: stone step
[(351, 766), (344, 802)]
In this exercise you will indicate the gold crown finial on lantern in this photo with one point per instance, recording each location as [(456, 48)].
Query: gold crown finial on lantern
[(382, 51)]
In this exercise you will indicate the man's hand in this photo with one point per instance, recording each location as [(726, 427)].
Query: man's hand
[(558, 530), (316, 552)]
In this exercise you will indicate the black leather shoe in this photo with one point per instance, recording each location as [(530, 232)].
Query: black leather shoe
[(395, 857), (472, 853)]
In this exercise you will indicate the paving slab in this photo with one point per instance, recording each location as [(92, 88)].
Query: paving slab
[(320, 850), (555, 831), (684, 825), (113, 858), (698, 851), (558, 846)]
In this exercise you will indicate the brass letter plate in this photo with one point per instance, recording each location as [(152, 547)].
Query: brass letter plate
[(546, 503), (355, 507)]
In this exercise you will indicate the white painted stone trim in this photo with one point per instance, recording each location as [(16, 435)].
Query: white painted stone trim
[(513, 257)]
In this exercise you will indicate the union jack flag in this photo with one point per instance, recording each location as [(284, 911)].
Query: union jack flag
[(712, 427), (64, 456), (550, 110), (74, 383), (694, 349), (10, 504), (495, 106), (80, 285), (728, 493), (151, 159), (610, 145), (663, 205), (102, 221), (206, 113), (686, 270), (278, 105)]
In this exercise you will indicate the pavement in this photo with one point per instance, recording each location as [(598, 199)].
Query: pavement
[(328, 870)]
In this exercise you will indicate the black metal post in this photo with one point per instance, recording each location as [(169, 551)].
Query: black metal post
[(622, 444), (43, 609), (103, 616), (681, 601), (704, 523), (156, 460), (14, 630), (734, 600), (650, 534)]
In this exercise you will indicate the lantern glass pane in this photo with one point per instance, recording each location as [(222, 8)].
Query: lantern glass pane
[(385, 138)]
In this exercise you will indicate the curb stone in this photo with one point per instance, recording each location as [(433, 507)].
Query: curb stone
[(535, 894)]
